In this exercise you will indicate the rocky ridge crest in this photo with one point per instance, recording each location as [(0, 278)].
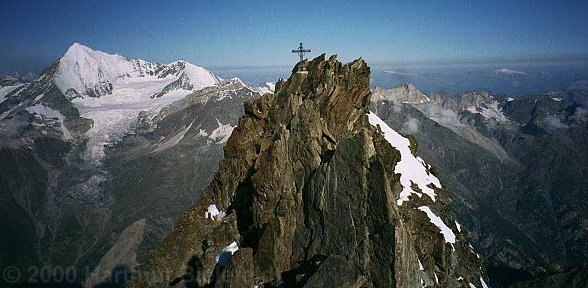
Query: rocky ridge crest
[(306, 196)]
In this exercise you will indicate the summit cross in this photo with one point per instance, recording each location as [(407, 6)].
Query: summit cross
[(301, 51)]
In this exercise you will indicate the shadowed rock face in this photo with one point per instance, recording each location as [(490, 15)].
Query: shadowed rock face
[(574, 278), (309, 191)]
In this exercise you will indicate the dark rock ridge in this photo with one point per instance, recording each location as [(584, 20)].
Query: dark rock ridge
[(310, 193)]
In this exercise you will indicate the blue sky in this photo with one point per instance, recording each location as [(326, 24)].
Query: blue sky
[(258, 33)]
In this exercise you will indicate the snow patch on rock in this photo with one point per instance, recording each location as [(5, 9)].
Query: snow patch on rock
[(269, 87), (411, 169), (174, 140), (224, 257), (490, 111), (221, 134), (213, 213), (5, 90), (484, 285), (437, 221), (48, 116)]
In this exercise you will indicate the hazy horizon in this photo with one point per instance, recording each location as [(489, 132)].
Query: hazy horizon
[(436, 63), (263, 33)]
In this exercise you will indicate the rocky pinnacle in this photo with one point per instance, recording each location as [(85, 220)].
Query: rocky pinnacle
[(306, 196)]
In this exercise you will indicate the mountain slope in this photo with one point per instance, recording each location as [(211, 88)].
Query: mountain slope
[(101, 95), (158, 133), (9, 86), (515, 169), (313, 191)]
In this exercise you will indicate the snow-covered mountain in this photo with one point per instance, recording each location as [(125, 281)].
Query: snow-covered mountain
[(267, 87), (110, 90), (86, 72), (100, 144), (405, 93)]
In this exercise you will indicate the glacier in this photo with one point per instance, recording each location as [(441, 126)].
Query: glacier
[(112, 90)]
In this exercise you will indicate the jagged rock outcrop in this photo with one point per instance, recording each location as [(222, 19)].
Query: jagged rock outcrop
[(311, 194)]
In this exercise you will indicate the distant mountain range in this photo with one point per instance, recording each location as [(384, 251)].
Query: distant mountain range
[(506, 80), (516, 167), (102, 154)]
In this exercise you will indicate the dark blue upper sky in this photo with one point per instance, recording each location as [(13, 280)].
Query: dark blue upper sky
[(256, 33)]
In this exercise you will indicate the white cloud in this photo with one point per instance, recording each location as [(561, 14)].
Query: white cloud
[(410, 126), (580, 117), (442, 116), (554, 122)]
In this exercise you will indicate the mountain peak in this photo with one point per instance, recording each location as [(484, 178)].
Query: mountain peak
[(403, 93), (325, 82), (307, 180), (77, 46), (83, 77), (77, 52), (83, 71)]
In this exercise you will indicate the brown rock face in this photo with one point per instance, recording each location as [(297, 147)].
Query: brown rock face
[(309, 190)]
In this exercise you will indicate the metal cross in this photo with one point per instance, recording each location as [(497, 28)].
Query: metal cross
[(301, 51)]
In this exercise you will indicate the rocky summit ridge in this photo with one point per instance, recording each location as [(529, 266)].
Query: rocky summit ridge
[(308, 196)]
